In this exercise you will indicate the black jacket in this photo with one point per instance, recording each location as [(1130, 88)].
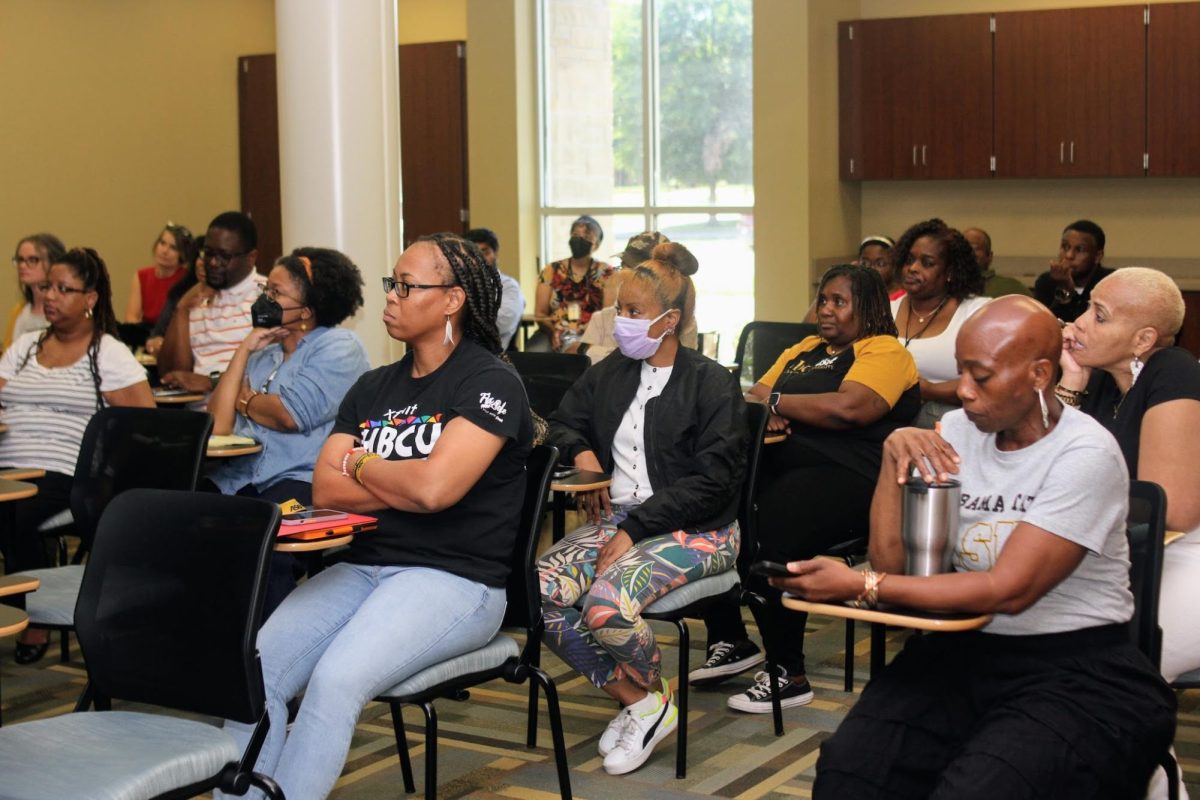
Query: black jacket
[(695, 439)]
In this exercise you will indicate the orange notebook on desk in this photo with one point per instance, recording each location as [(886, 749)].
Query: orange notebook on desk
[(318, 529)]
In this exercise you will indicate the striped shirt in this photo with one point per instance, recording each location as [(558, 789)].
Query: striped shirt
[(219, 327), (48, 408)]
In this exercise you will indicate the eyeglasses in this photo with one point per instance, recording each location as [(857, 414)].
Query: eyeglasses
[(402, 288), (31, 261), (275, 294), (219, 256), (61, 288), (878, 263)]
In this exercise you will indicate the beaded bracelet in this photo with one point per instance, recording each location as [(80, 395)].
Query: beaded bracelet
[(346, 459)]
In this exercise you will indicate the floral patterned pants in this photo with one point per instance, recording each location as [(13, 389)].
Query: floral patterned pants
[(608, 639)]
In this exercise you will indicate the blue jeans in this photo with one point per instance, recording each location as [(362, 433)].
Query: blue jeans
[(348, 634)]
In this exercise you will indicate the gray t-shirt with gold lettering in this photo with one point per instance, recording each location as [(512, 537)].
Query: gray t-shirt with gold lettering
[(1072, 483)]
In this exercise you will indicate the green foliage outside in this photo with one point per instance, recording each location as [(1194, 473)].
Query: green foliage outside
[(704, 93)]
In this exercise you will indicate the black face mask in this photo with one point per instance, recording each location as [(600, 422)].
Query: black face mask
[(580, 247), (266, 313)]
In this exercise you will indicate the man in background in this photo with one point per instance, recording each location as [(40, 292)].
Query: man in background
[(512, 302), (995, 285), (213, 317), (1066, 288)]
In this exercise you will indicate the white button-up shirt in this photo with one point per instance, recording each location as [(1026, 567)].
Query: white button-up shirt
[(631, 479)]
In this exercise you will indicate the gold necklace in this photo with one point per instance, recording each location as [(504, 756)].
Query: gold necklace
[(912, 309)]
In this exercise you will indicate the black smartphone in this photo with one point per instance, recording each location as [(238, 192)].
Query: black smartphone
[(772, 569)]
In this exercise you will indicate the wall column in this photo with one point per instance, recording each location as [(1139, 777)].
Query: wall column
[(339, 141)]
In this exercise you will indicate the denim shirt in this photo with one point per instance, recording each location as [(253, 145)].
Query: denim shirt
[(311, 384)]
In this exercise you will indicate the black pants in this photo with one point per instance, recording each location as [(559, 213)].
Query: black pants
[(23, 546), (807, 505), (281, 578), (975, 715)]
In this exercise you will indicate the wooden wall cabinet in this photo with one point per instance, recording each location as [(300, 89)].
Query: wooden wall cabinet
[(1173, 90), (1084, 92), (1070, 93), (916, 97)]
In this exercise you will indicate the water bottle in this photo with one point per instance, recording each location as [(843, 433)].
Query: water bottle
[(930, 518)]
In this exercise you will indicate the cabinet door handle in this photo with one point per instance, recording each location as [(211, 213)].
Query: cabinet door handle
[(1061, 152), (923, 155), (1072, 152), (914, 155)]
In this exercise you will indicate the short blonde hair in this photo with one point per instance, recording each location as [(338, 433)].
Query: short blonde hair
[(1153, 297)]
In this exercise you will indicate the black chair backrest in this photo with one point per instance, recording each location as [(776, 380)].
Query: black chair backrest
[(524, 592), (1147, 527), (756, 420), (761, 343), (127, 448), (548, 376), (171, 601)]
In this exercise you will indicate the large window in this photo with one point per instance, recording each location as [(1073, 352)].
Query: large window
[(646, 123)]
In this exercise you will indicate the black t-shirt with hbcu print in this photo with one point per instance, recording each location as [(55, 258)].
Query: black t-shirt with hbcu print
[(401, 417)]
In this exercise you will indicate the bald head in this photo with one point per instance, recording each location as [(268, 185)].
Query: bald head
[(1014, 329), (981, 244)]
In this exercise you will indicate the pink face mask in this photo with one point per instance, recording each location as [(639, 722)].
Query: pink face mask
[(633, 336)]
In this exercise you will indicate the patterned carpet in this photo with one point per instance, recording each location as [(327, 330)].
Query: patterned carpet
[(482, 754)]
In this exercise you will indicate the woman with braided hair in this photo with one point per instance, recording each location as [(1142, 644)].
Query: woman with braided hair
[(51, 382), (435, 446)]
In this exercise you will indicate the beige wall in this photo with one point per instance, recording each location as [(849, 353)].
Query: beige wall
[(1143, 218), (120, 116), (431, 21), (802, 212), (502, 131)]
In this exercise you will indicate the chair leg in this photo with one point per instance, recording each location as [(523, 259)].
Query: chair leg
[(402, 748), (878, 647), (1172, 769), (848, 670), (776, 708), (532, 715), (430, 751), (682, 700), (267, 784), (556, 730), (64, 643)]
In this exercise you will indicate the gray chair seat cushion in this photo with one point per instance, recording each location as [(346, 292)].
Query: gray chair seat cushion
[(54, 601), (109, 755), (692, 592), (490, 656), (1192, 677), (62, 519)]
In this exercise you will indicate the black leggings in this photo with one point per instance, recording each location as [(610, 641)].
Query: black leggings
[(24, 547), (802, 512)]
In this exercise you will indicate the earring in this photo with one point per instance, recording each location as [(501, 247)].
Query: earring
[(1135, 369), (88, 313), (1045, 409), (449, 332)]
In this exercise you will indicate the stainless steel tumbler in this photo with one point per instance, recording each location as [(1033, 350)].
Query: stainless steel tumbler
[(930, 516)]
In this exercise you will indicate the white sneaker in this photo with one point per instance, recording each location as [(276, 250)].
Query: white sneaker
[(643, 730), (757, 699), (608, 739)]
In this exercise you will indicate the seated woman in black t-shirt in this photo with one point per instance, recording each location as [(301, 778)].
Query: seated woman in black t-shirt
[(1120, 365), (435, 446), (837, 396)]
